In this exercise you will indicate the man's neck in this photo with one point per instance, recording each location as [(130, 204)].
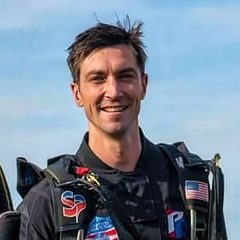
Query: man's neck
[(120, 153)]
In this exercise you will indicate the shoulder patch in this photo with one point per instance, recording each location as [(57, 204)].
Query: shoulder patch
[(72, 204)]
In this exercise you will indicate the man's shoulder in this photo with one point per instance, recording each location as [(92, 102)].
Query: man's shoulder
[(38, 197), (42, 188), (37, 200), (37, 212), (181, 156)]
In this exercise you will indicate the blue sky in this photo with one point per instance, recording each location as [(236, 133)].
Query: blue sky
[(193, 67)]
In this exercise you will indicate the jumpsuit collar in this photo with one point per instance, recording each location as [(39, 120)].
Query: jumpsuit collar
[(87, 157)]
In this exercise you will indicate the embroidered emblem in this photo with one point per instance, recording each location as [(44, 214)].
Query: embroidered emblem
[(101, 228), (74, 204), (176, 224), (196, 190)]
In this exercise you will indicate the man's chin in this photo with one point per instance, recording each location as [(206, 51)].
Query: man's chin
[(116, 131)]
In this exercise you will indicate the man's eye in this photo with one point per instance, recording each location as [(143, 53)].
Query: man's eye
[(96, 79)]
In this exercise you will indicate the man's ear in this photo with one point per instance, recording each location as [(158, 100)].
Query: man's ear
[(76, 94), (144, 85)]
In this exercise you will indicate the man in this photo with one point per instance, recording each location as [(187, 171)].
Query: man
[(115, 160)]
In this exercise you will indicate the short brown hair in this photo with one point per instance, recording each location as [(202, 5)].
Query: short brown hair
[(103, 35)]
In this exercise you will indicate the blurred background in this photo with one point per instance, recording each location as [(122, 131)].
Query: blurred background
[(193, 67)]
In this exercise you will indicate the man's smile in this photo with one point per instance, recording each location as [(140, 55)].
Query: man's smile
[(110, 109)]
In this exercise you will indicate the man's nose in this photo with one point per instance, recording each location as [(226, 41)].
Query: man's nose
[(113, 88)]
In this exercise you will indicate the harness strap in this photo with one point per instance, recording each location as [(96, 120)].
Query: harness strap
[(5, 197), (216, 222), (65, 180), (124, 226), (9, 219), (72, 235), (57, 174), (9, 225), (192, 171)]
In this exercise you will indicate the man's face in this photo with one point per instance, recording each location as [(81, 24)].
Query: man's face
[(110, 90)]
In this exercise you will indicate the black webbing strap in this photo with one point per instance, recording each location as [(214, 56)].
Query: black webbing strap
[(189, 167), (9, 225), (72, 235), (9, 219), (121, 221), (57, 173), (5, 197), (216, 222)]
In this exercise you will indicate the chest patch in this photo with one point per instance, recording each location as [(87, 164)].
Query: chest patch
[(73, 204), (101, 228), (176, 224)]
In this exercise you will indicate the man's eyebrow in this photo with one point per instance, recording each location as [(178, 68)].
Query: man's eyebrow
[(128, 69), (121, 71), (94, 72)]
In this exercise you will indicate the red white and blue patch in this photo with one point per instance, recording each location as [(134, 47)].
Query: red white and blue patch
[(196, 190), (176, 224), (74, 204), (101, 228)]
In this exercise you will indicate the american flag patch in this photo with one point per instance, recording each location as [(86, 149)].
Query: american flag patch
[(110, 234), (101, 228), (196, 190)]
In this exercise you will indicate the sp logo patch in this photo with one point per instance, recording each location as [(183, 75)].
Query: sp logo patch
[(73, 204)]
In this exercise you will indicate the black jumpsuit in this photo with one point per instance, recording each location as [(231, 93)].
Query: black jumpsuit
[(149, 195)]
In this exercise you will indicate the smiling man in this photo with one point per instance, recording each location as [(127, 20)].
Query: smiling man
[(110, 88), (119, 185)]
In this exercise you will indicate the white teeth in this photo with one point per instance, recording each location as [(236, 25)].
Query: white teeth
[(114, 109)]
